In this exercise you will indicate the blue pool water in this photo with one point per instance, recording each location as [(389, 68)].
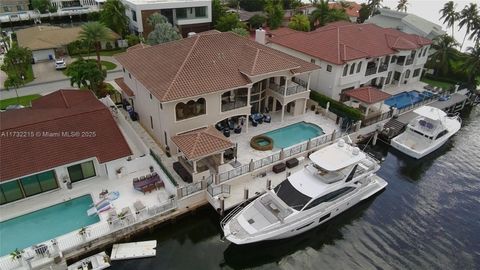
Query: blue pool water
[(293, 134), (45, 224), (406, 99)]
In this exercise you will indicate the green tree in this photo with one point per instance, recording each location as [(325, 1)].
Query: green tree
[(43, 6), (364, 13), (475, 31), (85, 74), (156, 18), (275, 13), (472, 63), (93, 33), (449, 15), (402, 5), (229, 22), (132, 39), (113, 16), (257, 21), (323, 14), (374, 5), (445, 53), (163, 32), (299, 22), (16, 64), (467, 17), (240, 31), (218, 11)]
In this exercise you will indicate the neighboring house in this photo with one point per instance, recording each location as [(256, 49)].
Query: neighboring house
[(48, 42), (351, 9), (65, 137), (76, 3), (197, 82), (354, 55), (407, 23), (187, 15), (11, 6)]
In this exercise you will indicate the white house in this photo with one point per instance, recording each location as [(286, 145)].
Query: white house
[(355, 55), (187, 15), (200, 81), (407, 23), (65, 137)]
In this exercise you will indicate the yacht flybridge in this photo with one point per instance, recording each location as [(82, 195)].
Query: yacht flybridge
[(338, 177), (427, 132)]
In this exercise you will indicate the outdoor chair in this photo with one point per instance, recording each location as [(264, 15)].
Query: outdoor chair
[(154, 174), (267, 118), (135, 179), (226, 132), (148, 176), (159, 184), (238, 129), (142, 177)]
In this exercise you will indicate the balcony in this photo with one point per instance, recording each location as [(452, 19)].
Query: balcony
[(237, 102), (293, 88), (409, 61), (383, 67), (371, 70)]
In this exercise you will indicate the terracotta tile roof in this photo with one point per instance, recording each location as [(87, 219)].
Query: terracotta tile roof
[(201, 142), (352, 10), (205, 63), (121, 83), (367, 94), (61, 111), (137, 46), (340, 42)]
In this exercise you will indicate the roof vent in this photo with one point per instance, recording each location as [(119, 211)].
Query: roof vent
[(341, 143), (355, 151)]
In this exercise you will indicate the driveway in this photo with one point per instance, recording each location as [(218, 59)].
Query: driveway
[(46, 72)]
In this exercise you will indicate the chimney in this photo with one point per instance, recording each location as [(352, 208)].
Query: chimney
[(260, 36)]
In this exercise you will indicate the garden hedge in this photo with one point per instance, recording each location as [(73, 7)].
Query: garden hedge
[(336, 107)]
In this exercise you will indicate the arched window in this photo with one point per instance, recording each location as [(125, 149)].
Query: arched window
[(345, 70), (191, 109), (352, 68), (407, 74), (359, 67)]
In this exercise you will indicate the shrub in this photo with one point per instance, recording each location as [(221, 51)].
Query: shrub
[(336, 107)]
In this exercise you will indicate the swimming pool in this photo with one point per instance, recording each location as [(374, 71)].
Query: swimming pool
[(405, 99), (293, 134), (44, 224)]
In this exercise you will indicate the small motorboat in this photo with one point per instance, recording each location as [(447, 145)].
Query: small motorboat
[(96, 262)]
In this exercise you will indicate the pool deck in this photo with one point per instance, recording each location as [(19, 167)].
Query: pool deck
[(393, 90), (246, 153)]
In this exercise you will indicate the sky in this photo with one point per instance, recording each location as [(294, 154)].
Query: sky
[(429, 9)]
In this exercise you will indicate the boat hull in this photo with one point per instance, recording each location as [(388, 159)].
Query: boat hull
[(310, 220)]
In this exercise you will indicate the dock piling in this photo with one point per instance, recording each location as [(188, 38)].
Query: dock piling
[(269, 184), (245, 194)]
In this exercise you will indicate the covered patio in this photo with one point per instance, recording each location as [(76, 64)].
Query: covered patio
[(201, 151), (368, 99)]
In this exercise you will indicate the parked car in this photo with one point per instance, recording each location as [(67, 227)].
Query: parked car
[(60, 64)]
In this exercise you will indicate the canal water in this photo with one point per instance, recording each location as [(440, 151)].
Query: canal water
[(427, 218)]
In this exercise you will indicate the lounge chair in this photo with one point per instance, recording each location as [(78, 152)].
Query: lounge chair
[(267, 118), (139, 206), (142, 177), (148, 176), (135, 179), (154, 174)]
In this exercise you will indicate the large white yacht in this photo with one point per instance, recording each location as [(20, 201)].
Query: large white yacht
[(338, 177), (427, 132)]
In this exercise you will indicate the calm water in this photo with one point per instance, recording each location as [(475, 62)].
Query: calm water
[(44, 224), (427, 218), (293, 134)]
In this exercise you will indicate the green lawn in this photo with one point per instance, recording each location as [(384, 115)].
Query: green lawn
[(29, 76), (25, 100), (443, 85), (105, 53)]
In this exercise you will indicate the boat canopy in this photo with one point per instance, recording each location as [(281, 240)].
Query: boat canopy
[(337, 156), (431, 113)]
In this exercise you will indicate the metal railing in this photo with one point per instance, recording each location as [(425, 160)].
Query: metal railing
[(293, 88), (371, 71), (409, 61), (378, 118), (232, 105), (189, 189), (48, 250), (218, 190), (418, 104), (383, 67), (287, 152)]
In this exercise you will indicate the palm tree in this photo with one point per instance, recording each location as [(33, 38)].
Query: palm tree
[(468, 15), (472, 63), (375, 5), (475, 31), (94, 33), (402, 5), (449, 15), (445, 52), (320, 13)]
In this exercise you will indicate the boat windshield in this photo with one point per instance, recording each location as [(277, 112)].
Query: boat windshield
[(292, 197)]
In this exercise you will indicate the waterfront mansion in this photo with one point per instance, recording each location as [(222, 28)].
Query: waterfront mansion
[(210, 79), (351, 55)]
